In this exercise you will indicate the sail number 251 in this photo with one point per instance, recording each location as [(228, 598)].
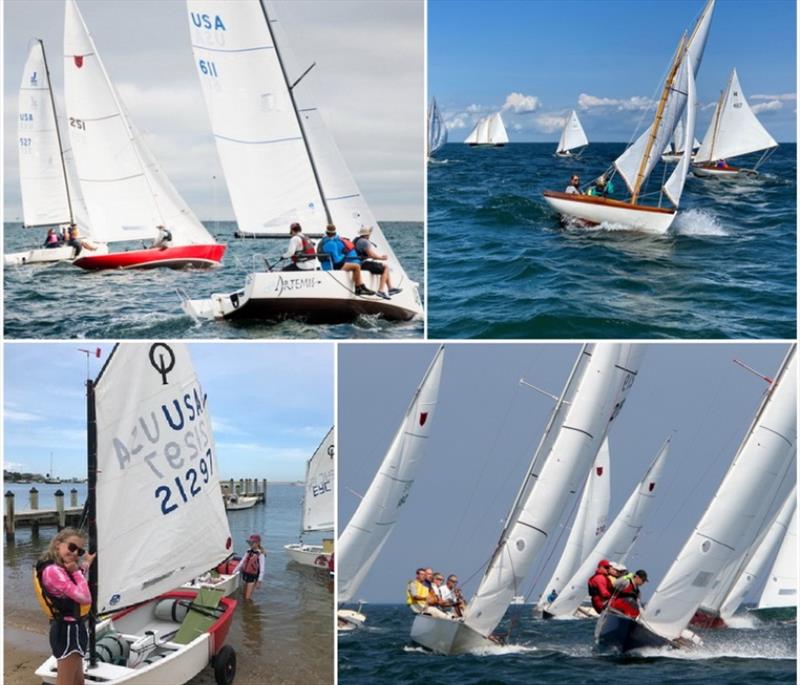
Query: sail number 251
[(186, 486)]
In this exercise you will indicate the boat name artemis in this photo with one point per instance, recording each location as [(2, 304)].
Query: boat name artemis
[(295, 283)]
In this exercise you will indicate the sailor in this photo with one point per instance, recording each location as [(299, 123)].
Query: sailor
[(74, 239), (452, 599), (601, 187), (417, 592), (252, 565), (334, 254), (62, 590), (51, 240), (301, 251), (435, 603), (626, 593), (163, 239), (574, 187), (370, 261), (599, 586)]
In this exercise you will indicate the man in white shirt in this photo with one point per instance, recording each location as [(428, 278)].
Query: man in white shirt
[(300, 251), (574, 187)]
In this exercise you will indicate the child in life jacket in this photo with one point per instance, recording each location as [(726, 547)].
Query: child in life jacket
[(252, 565)]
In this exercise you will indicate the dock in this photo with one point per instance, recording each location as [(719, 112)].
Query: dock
[(34, 517)]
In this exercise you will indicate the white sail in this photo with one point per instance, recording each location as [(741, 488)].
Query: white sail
[(603, 387), (756, 566), (160, 515), (374, 519), (618, 540), (673, 188), (472, 138), (589, 524), (437, 131), (127, 193), (318, 501), (737, 512), (496, 134), (734, 130), (572, 136), (781, 587)]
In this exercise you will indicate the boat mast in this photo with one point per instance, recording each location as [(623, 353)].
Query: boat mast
[(91, 458), (722, 99), (58, 132), (662, 103), (290, 87)]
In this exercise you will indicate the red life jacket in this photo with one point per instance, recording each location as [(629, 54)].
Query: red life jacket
[(251, 565), (306, 252), (348, 244)]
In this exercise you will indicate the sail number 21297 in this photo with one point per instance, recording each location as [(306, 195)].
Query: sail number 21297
[(185, 487)]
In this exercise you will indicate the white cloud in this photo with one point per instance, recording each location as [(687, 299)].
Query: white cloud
[(770, 106), (549, 123), (586, 101), (521, 104), (459, 120), (784, 97), (20, 416)]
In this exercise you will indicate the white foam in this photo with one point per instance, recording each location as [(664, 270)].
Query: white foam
[(502, 650), (698, 222), (743, 622)]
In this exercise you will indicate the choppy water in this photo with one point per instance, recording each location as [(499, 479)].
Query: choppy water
[(63, 301), (284, 635), (561, 652), (501, 266)]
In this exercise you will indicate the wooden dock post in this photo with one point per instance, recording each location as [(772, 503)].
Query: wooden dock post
[(73, 498), (33, 497), (264, 489), (62, 517), (10, 516)]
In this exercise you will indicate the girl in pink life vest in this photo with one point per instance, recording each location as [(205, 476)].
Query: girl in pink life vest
[(252, 565)]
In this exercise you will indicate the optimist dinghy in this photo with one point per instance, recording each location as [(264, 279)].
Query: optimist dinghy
[(127, 193), (281, 166), (156, 521), (318, 505)]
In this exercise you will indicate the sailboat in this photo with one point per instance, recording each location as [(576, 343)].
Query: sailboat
[(678, 99), (573, 139), (615, 544), (734, 131), (50, 195), (674, 150), (593, 396), (128, 196), (758, 471), (156, 521), (236, 502), (489, 131), (373, 521), (281, 166), (437, 131), (318, 506)]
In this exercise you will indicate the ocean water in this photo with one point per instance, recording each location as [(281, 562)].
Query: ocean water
[(284, 635), (501, 266), (63, 301), (560, 651)]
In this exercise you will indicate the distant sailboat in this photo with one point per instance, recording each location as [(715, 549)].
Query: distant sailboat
[(678, 99), (674, 151), (128, 196), (573, 139), (734, 131), (437, 131), (489, 131)]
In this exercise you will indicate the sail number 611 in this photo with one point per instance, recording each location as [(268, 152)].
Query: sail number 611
[(186, 487), (207, 68)]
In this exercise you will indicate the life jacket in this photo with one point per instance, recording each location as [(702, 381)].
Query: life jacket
[(52, 239), (251, 565), (348, 245), (362, 246), (306, 252), (420, 590), (629, 591), (56, 608)]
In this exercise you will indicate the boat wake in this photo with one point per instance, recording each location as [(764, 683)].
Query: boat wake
[(743, 622), (734, 648), (694, 222), (503, 650)]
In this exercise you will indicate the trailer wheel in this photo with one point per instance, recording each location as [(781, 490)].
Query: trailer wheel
[(225, 666)]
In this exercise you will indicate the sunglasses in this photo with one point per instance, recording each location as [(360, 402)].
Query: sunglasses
[(72, 547)]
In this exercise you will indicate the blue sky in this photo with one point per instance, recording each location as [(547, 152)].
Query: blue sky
[(487, 426), (271, 405), (537, 58)]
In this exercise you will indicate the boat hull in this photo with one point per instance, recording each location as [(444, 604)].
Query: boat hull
[(617, 633), (312, 296), (180, 662), (40, 256), (227, 582), (348, 620), (197, 256), (703, 171), (775, 613), (308, 555), (241, 502), (593, 211), (707, 619), (447, 636)]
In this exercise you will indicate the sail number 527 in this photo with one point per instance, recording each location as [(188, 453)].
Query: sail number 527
[(186, 486)]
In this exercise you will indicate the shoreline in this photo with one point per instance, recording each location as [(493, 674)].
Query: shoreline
[(25, 646)]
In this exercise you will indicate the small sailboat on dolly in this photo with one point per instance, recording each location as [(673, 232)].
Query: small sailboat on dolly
[(635, 165), (488, 132), (281, 166), (128, 195), (318, 505), (573, 139), (593, 396), (727, 529), (50, 194), (373, 521), (734, 131), (437, 131), (156, 521)]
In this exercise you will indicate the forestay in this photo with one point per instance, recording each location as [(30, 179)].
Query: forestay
[(160, 515), (543, 498), (127, 193), (737, 512), (781, 587), (618, 540), (437, 131), (572, 136), (374, 519), (318, 501)]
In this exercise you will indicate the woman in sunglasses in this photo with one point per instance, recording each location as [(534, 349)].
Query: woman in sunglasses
[(62, 590)]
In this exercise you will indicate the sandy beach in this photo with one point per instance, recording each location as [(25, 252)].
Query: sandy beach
[(25, 646)]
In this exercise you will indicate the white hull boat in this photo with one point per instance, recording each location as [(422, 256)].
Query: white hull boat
[(236, 502), (594, 211), (348, 620), (573, 139), (308, 555), (704, 171), (40, 256), (449, 636), (227, 582)]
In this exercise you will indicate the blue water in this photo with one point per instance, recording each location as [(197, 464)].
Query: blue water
[(560, 652), (501, 266), (63, 301), (284, 635)]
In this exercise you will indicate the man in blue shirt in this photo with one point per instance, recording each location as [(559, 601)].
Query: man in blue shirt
[(335, 255)]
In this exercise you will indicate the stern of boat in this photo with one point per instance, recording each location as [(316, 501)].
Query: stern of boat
[(446, 636), (348, 620)]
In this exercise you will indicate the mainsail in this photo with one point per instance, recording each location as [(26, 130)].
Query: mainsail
[(737, 512), (127, 193), (373, 521), (489, 130), (572, 136), (597, 398), (781, 587), (673, 188), (318, 501), (159, 510), (437, 131)]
